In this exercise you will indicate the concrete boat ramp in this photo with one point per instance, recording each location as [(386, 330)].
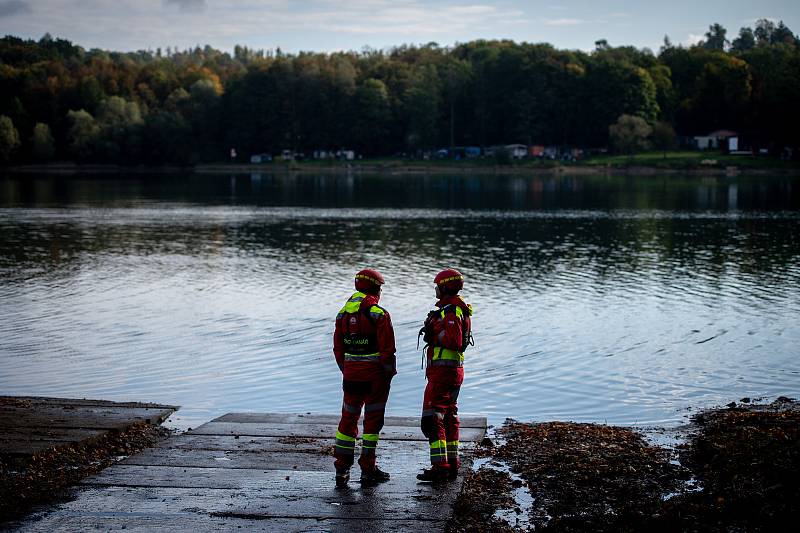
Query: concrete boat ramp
[(29, 425), (267, 472)]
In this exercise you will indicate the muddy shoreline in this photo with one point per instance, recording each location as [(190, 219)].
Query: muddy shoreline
[(738, 470)]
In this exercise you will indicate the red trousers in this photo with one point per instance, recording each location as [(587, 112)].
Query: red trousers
[(440, 421), (371, 396)]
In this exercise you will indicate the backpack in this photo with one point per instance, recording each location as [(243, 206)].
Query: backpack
[(434, 318)]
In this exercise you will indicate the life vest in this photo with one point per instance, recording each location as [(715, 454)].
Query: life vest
[(436, 321), (359, 346)]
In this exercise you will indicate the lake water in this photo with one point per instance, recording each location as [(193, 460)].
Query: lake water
[(626, 300)]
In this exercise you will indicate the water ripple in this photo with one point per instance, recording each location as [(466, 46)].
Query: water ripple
[(621, 315)]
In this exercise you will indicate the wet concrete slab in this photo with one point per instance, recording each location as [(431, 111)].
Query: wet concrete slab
[(263, 472), (32, 424)]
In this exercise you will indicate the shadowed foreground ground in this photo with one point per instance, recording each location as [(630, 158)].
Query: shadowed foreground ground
[(738, 470)]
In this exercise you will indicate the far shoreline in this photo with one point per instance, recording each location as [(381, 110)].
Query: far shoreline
[(399, 167)]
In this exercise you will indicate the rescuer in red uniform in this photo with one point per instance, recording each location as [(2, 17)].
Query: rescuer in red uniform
[(448, 332), (363, 344)]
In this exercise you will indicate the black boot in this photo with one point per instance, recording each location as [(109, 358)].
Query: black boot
[(376, 475), (433, 475), (452, 472), (342, 478)]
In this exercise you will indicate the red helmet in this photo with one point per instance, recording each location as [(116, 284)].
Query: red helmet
[(369, 280), (450, 279)]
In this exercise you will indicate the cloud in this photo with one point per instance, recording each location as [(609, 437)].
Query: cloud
[(399, 17), (13, 7), (692, 39), (563, 22), (187, 5)]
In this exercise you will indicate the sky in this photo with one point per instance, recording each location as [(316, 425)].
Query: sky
[(332, 25)]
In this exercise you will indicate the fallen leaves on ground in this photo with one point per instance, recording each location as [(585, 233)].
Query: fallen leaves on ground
[(483, 492), (44, 476), (587, 476), (743, 463), (748, 461)]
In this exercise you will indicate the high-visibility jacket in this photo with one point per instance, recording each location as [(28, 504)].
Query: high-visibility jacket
[(452, 333), (363, 341)]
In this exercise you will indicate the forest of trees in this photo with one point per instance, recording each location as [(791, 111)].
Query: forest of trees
[(61, 102)]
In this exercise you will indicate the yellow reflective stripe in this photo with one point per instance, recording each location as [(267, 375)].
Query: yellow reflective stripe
[(354, 303), (371, 438), (459, 312), (451, 278), (368, 278), (376, 310), (371, 357), (448, 355), (438, 450), (342, 436)]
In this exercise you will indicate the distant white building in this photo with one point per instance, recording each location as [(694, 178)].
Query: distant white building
[(714, 140), (516, 151)]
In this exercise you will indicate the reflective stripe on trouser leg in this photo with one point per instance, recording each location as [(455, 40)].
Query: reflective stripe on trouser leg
[(345, 445), (352, 409), (452, 451), (374, 411), (438, 452), (368, 444)]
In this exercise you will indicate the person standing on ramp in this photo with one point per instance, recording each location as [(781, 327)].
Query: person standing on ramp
[(364, 346), (447, 333)]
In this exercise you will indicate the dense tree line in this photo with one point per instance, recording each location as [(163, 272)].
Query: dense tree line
[(63, 102)]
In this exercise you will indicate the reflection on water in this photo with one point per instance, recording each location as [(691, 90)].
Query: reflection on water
[(623, 300)]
